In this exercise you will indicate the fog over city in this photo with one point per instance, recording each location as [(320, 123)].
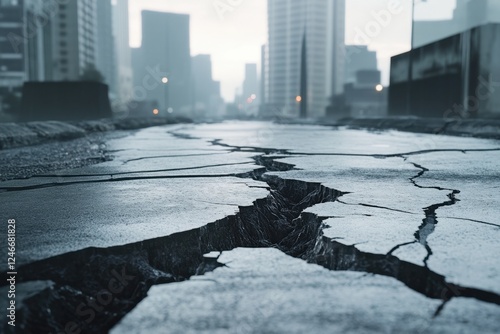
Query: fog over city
[(250, 166), (232, 34)]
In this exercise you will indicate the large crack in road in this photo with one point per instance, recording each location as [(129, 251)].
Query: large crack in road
[(95, 287), (430, 221)]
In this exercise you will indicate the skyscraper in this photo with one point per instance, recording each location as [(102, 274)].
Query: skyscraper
[(72, 40), (21, 46), (123, 56), (55, 40), (321, 22), (206, 91), (166, 53), (201, 69), (250, 85), (105, 43)]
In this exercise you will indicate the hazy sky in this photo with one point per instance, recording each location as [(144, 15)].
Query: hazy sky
[(232, 31)]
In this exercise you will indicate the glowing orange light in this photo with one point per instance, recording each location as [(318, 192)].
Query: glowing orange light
[(298, 98), (156, 111)]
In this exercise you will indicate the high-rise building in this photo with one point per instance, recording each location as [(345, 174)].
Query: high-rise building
[(78, 39), (201, 70), (166, 53), (206, 91), (105, 43), (321, 24), (21, 43), (123, 56), (56, 40), (72, 40), (250, 85)]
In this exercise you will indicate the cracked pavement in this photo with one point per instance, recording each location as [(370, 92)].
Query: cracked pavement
[(354, 231)]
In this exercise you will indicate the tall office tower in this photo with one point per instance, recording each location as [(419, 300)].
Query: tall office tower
[(105, 42), (204, 88), (21, 43), (72, 40), (123, 56), (322, 23), (205, 91), (250, 85), (201, 71), (166, 52)]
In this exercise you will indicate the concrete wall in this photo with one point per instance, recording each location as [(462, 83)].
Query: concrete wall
[(458, 75), (64, 101)]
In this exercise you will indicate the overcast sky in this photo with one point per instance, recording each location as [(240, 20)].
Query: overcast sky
[(232, 31)]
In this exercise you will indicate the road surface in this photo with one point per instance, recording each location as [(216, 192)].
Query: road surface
[(252, 227)]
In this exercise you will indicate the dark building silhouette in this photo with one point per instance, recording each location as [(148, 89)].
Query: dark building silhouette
[(458, 76)]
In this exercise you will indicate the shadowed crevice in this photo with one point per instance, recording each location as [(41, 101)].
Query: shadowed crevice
[(123, 274)]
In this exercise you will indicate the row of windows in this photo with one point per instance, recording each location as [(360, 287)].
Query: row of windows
[(87, 48)]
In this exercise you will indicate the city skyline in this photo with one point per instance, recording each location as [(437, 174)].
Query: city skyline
[(227, 24)]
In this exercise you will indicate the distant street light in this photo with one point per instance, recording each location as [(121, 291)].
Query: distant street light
[(167, 97), (379, 88), (156, 111), (298, 98)]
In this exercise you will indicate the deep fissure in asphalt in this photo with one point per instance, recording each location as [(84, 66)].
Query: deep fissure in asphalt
[(95, 287), (430, 221)]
